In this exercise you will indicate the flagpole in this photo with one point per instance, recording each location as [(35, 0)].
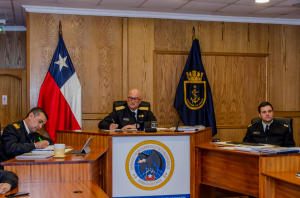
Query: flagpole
[(193, 34), (60, 29)]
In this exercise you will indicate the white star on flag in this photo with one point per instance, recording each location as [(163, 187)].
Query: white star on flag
[(61, 62)]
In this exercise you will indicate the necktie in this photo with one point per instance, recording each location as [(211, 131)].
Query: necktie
[(267, 129), (30, 136)]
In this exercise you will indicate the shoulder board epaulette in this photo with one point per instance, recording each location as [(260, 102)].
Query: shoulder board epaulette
[(250, 125), (144, 108), (286, 125), (16, 125), (120, 108)]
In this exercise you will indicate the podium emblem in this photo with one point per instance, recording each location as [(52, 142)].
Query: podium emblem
[(149, 165)]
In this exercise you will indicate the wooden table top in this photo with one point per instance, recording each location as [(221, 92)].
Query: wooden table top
[(60, 190), (95, 153), (134, 133), (213, 147), (289, 177)]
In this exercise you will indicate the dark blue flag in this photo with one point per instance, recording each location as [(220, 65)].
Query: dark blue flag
[(193, 96)]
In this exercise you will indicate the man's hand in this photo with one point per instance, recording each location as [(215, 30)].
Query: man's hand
[(129, 127), (42, 144), (4, 188), (113, 127)]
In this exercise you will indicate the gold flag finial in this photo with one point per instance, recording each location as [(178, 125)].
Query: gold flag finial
[(193, 34), (60, 29)]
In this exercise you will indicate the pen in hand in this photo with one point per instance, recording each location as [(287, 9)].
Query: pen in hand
[(113, 121)]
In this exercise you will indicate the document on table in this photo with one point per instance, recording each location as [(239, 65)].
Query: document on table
[(34, 156)]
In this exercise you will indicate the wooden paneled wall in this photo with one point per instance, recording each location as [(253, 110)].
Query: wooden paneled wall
[(13, 50), (245, 64)]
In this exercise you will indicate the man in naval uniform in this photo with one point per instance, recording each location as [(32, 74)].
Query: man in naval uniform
[(125, 117), (269, 131), (22, 136)]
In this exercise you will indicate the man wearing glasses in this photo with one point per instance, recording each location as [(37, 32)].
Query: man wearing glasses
[(126, 116)]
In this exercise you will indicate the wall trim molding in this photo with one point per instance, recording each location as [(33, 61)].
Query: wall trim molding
[(160, 15), (213, 53)]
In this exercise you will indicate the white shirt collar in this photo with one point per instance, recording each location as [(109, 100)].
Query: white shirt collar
[(26, 127)]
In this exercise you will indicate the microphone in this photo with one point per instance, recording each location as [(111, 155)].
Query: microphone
[(176, 128)]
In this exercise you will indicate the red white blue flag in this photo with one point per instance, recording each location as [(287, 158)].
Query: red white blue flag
[(60, 94)]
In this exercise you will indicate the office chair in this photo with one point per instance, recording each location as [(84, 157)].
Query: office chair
[(123, 103), (281, 120)]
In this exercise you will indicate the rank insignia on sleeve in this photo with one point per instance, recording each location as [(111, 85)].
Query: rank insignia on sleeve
[(286, 125), (144, 108), (16, 125), (120, 108), (141, 116)]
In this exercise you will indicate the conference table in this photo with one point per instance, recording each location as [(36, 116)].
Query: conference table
[(72, 168), (96, 166), (281, 184), (104, 139), (79, 189), (237, 171)]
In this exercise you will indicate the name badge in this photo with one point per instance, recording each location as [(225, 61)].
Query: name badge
[(126, 119), (257, 132)]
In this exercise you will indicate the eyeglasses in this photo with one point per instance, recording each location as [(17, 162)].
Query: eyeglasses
[(133, 99)]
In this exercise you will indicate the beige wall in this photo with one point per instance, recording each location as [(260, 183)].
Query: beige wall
[(245, 63)]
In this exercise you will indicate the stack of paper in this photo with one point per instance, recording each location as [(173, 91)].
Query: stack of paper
[(189, 128), (34, 156), (280, 150), (251, 149)]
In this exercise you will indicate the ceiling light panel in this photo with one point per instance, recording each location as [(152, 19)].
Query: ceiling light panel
[(173, 4), (204, 6), (253, 3)]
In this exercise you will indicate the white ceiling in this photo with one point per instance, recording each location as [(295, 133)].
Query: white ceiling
[(237, 10)]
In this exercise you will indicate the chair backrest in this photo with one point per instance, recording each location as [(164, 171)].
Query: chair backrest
[(123, 103), (281, 120)]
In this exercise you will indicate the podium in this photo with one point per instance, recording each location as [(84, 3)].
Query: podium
[(136, 144)]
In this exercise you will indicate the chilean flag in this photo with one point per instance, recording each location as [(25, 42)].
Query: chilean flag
[(60, 94)]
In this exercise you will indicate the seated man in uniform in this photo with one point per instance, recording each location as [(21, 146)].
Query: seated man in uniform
[(126, 116), (22, 136), (268, 131), (8, 181)]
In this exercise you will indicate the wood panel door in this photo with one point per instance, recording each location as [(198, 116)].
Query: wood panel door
[(12, 84)]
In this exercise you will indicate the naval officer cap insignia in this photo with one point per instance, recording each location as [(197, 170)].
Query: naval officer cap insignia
[(16, 125), (120, 108), (144, 108)]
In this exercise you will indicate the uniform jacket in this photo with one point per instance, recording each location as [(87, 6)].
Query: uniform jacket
[(16, 141), (124, 116), (279, 134), (9, 177)]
